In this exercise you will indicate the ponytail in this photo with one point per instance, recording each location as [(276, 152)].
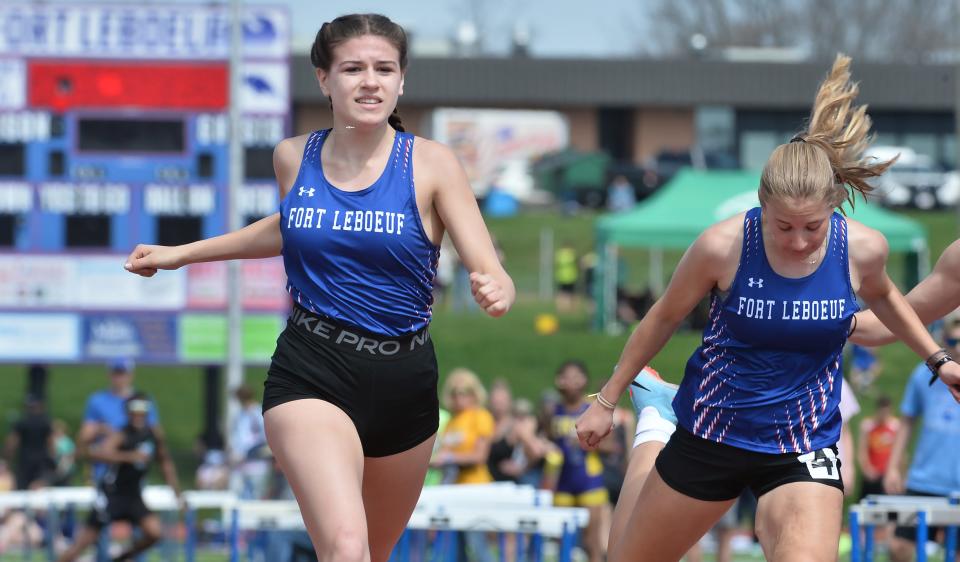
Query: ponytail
[(395, 121), (826, 158)]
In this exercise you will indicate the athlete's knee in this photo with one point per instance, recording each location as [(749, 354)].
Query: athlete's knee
[(348, 545)]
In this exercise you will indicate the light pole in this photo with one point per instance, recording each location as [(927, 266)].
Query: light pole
[(234, 376)]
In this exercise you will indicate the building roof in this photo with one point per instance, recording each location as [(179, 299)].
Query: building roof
[(526, 82)]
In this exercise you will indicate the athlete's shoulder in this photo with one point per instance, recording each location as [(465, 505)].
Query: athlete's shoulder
[(868, 247), (290, 150), (287, 156), (435, 163), (722, 240), (435, 152)]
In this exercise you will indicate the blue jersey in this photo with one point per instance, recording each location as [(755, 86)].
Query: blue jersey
[(361, 257), (767, 375), (935, 468)]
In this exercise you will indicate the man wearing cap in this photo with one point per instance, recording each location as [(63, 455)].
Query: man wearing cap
[(127, 455), (106, 411)]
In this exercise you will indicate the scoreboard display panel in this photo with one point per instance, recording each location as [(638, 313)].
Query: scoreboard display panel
[(114, 131)]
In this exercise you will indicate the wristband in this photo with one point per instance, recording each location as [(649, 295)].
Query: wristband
[(604, 402), (935, 361)]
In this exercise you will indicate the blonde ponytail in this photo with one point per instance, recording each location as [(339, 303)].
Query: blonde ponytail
[(828, 156)]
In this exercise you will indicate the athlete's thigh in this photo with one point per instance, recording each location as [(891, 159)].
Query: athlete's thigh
[(800, 521), (319, 451), (639, 466), (664, 523), (391, 488)]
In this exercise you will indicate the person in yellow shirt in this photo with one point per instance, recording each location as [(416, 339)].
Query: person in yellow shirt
[(465, 447), (565, 275), (465, 442)]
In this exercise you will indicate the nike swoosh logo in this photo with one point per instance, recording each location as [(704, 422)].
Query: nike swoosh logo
[(635, 383)]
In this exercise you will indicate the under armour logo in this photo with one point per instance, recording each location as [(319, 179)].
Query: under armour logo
[(750, 282), (309, 191)]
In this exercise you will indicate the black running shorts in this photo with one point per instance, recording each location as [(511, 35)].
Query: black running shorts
[(711, 471), (386, 385), (108, 508)]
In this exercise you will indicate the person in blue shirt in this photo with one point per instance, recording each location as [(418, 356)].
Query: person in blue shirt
[(106, 412), (350, 401), (758, 406), (931, 412)]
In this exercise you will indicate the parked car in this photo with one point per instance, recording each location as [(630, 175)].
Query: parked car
[(914, 180), (667, 163)]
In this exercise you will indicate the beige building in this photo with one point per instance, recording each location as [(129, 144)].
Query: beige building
[(634, 108)]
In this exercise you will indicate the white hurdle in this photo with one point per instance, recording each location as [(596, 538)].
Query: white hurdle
[(914, 511), (499, 508), (443, 510)]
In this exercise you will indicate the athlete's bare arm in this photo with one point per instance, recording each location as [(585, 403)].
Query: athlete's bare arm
[(868, 252), (258, 240), (710, 262), (933, 298), (166, 463), (868, 258), (441, 177)]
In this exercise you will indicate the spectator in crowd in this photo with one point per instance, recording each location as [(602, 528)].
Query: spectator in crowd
[(588, 268), (565, 275), (874, 447), (214, 472), (935, 468), (501, 461), (249, 456), (578, 479), (864, 367), (517, 447), (875, 444), (29, 443), (63, 451), (7, 482), (16, 529), (106, 412), (127, 455), (620, 195), (19, 531), (465, 446)]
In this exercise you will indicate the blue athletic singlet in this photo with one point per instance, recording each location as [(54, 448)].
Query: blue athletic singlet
[(767, 375), (362, 257)]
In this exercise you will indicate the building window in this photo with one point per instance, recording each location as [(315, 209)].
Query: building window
[(756, 147), (716, 128)]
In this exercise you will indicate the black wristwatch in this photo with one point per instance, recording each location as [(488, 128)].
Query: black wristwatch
[(935, 361)]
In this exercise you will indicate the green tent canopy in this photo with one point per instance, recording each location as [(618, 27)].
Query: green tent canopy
[(694, 199)]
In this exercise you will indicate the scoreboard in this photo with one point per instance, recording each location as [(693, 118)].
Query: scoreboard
[(114, 131)]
